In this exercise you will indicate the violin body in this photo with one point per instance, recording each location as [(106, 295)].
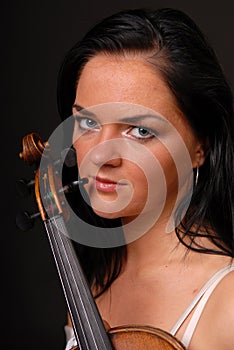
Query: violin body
[(137, 337)]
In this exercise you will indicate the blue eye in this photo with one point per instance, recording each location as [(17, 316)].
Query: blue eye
[(141, 133), (87, 123)]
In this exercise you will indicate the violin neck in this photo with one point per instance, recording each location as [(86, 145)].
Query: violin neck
[(87, 323)]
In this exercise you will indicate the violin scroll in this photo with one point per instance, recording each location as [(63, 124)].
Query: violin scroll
[(50, 194), (33, 148)]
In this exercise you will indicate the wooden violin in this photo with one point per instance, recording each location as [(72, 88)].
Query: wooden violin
[(90, 330)]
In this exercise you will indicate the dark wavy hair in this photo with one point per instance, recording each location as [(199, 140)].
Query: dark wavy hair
[(189, 66)]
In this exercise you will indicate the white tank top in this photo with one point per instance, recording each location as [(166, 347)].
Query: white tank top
[(197, 304)]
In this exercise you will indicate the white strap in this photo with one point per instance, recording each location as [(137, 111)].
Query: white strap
[(70, 338), (200, 307), (217, 276), (68, 332), (71, 343)]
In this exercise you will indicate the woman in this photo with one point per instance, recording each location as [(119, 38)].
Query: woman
[(157, 61)]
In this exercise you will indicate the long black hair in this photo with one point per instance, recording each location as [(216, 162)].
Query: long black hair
[(180, 52)]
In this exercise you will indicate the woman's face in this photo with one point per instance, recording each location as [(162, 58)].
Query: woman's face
[(127, 135)]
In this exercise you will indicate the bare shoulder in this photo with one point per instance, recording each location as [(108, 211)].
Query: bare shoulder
[(224, 293), (215, 327), (220, 311)]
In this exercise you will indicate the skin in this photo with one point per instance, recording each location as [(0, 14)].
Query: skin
[(155, 286)]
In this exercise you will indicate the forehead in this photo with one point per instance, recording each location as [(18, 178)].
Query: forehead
[(120, 78), (131, 79)]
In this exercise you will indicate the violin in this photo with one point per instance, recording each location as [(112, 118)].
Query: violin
[(91, 332)]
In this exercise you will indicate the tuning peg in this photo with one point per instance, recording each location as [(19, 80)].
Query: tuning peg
[(25, 220), (24, 187), (73, 186)]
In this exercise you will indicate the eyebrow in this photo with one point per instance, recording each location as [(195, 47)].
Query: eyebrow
[(137, 118), (83, 110), (133, 119)]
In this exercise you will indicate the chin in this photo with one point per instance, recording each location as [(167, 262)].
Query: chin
[(110, 216)]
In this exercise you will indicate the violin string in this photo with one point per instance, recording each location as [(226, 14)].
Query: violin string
[(72, 305), (59, 236), (85, 288), (77, 285), (69, 296), (68, 250)]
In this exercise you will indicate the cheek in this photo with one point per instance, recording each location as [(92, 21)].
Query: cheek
[(169, 169), (148, 182), (139, 189), (138, 179), (165, 180)]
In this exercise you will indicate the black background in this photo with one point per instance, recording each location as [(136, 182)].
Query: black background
[(35, 35)]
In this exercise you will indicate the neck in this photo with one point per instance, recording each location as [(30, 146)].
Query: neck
[(161, 249), (156, 246)]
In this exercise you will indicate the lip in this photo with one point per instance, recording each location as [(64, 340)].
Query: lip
[(106, 185)]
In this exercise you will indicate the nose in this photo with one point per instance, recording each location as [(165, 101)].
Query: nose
[(107, 150), (107, 153)]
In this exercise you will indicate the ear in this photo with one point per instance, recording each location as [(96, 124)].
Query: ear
[(199, 156)]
